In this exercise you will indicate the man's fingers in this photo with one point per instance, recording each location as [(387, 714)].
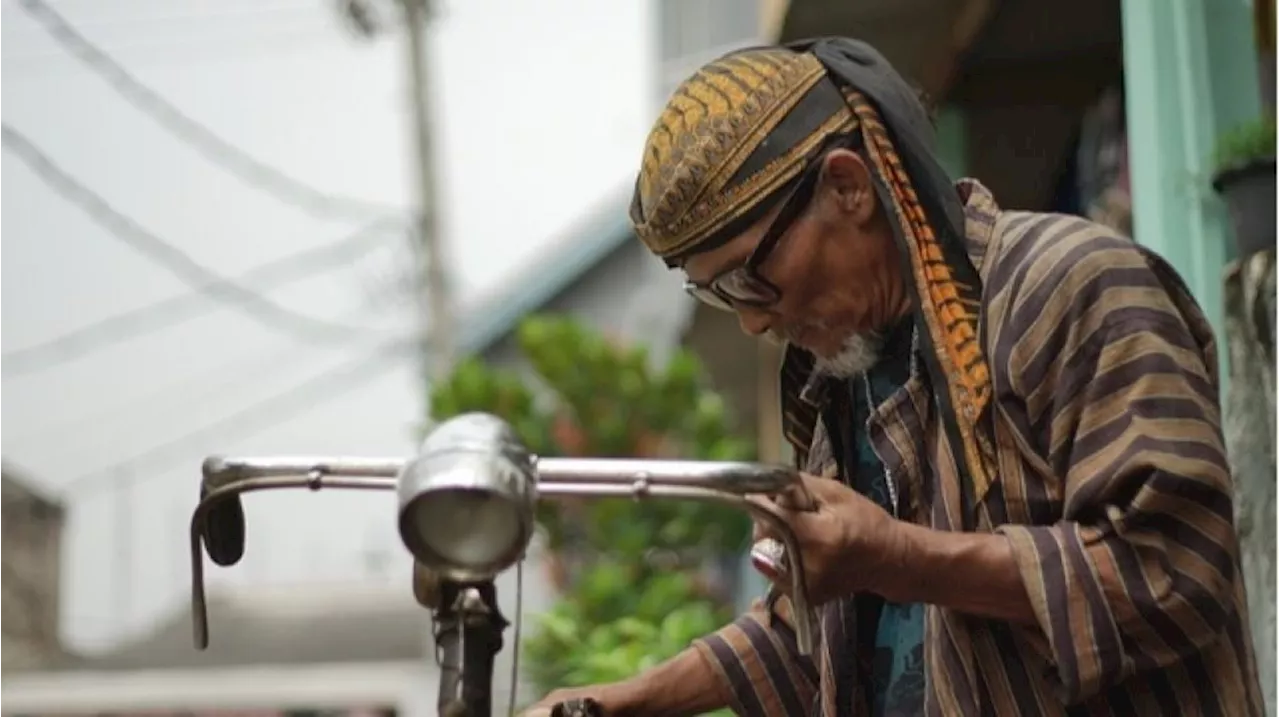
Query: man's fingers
[(797, 497), (823, 490), (794, 518)]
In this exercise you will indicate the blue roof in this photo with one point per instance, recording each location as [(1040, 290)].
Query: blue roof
[(604, 231)]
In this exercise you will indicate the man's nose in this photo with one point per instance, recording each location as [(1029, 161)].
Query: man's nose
[(753, 322)]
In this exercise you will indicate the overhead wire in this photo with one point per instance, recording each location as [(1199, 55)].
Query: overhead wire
[(172, 311), (203, 35), (309, 394), (170, 257), (165, 403), (178, 51), (157, 404), (186, 128), (164, 13), (169, 402), (249, 420)]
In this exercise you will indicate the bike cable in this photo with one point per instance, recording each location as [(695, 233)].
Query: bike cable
[(515, 634)]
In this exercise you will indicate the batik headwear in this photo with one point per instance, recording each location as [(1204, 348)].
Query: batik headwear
[(732, 136), (744, 127)]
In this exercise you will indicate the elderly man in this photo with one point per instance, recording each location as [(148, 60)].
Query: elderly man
[(1009, 425)]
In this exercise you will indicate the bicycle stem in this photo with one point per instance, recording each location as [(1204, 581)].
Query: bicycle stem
[(468, 637)]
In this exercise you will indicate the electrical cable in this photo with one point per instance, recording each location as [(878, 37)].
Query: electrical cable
[(252, 12), (166, 404), (213, 147), (177, 52), (159, 405), (176, 261), (175, 310), (254, 418), (515, 640)]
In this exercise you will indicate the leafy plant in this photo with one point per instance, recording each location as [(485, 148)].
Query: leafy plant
[(633, 573), (1246, 143), (610, 628)]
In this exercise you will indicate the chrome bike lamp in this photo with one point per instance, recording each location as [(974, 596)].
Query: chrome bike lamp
[(467, 500)]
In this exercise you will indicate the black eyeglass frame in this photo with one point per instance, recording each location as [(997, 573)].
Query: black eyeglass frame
[(743, 285)]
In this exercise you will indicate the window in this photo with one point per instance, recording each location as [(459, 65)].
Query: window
[(694, 32)]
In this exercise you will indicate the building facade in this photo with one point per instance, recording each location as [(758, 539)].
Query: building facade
[(32, 549)]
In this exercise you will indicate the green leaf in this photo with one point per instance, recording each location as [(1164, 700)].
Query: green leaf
[(1245, 143)]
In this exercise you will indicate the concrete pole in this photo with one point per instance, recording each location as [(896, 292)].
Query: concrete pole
[(435, 301)]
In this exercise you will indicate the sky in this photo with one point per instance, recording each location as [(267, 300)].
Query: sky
[(539, 110)]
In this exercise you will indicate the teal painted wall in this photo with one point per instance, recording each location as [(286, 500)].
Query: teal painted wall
[(1190, 74)]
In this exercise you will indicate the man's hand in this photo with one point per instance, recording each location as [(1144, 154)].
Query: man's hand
[(613, 700), (847, 542), (683, 685)]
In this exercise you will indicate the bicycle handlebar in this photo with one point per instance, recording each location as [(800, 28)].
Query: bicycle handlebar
[(218, 520)]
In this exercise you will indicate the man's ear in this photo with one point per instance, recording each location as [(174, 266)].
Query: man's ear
[(846, 179)]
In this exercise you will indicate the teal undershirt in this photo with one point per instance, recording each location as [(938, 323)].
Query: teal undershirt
[(890, 654)]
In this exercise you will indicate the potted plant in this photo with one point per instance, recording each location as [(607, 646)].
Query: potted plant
[(1245, 177)]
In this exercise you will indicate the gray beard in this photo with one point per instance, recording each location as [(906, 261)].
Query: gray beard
[(858, 354)]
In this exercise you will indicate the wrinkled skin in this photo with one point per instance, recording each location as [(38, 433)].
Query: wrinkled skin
[(847, 542), (837, 265)]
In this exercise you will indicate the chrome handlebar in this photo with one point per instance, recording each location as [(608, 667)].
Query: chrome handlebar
[(218, 519)]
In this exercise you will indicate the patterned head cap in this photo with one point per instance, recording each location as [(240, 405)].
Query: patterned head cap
[(731, 136)]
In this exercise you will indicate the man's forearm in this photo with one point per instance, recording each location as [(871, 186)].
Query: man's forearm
[(973, 573), (683, 685)]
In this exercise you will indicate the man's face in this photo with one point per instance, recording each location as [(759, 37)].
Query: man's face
[(835, 268)]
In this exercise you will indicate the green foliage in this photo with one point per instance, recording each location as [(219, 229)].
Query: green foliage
[(608, 630), (1246, 143), (635, 594)]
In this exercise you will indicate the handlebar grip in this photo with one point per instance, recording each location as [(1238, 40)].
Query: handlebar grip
[(223, 529)]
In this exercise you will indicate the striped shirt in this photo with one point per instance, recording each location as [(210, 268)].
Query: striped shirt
[(1113, 491)]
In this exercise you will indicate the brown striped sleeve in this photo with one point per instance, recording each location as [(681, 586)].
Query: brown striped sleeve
[(1116, 373), (762, 673)]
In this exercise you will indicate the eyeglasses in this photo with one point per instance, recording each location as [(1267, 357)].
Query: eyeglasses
[(743, 285)]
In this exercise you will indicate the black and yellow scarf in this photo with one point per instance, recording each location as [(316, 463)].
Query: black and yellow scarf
[(742, 130)]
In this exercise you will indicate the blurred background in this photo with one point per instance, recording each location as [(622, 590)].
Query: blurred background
[(314, 226)]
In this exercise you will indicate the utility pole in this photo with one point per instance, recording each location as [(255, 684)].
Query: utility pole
[(436, 333)]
